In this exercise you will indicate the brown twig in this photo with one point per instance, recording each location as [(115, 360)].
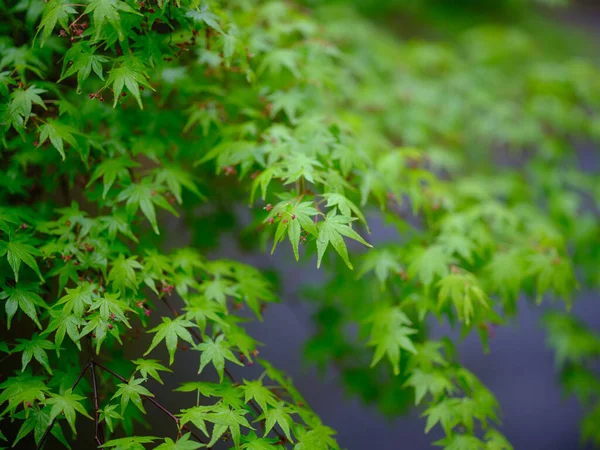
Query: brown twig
[(98, 435)]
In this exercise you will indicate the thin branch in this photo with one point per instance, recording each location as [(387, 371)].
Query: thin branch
[(45, 435), (98, 435), (155, 403)]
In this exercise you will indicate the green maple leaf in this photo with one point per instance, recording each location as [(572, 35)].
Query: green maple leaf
[(183, 443), (463, 290), (130, 443), (203, 15), (433, 382), (107, 11), (298, 217), (252, 442), (169, 331), (22, 101), (430, 263), (390, 333), (216, 352), (23, 297), (34, 348), (383, 262), (67, 404), (254, 390), (16, 252), (108, 414), (278, 59), (200, 309), (345, 206), (23, 388), (318, 438), (331, 232), (150, 367), (280, 415), (122, 274), (84, 61), (55, 11), (287, 101), (58, 133), (196, 416), (130, 74), (38, 420), (443, 412), (64, 323), (111, 308), (77, 300), (110, 170), (225, 419), (461, 442), (132, 392), (494, 440), (175, 179), (144, 196)]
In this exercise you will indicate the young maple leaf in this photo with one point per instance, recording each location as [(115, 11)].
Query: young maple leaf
[(216, 352), (183, 443), (280, 415), (430, 263), (226, 418), (58, 133), (67, 404), (464, 291), (390, 333), (254, 390), (331, 231), (107, 11), (130, 443), (16, 252), (132, 392), (169, 331), (150, 367), (22, 297), (130, 74), (34, 348), (434, 382)]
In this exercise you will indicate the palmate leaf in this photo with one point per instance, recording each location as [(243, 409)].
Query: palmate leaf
[(16, 252), (58, 133), (430, 263), (435, 382), (150, 367), (196, 416), (67, 404), (251, 441), (34, 348), (38, 420), (227, 419), (110, 170), (55, 11), (203, 15), (23, 388), (83, 62), (130, 74), (331, 232), (463, 290), (108, 11), (183, 443), (132, 392), (145, 196), (64, 324), (278, 415), (216, 352), (254, 390), (390, 332), (169, 331), (130, 443), (22, 297)]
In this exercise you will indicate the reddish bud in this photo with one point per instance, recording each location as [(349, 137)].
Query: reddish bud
[(147, 312), (270, 220), (151, 10), (285, 221), (110, 326), (36, 143), (293, 216), (269, 207), (24, 226), (76, 263)]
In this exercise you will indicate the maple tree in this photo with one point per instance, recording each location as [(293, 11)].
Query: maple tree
[(123, 120)]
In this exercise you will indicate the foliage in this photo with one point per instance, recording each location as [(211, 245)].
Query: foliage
[(123, 121)]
